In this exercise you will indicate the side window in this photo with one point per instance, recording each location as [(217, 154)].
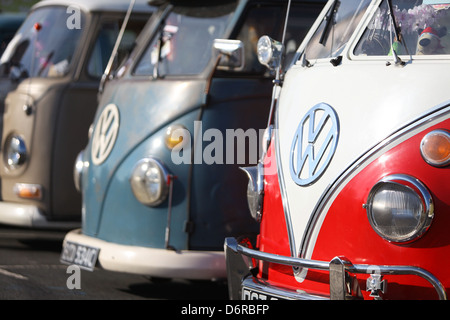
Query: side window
[(301, 18), (105, 42), (259, 21)]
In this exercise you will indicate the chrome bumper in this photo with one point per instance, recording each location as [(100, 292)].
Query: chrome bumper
[(30, 216), (163, 263), (340, 271)]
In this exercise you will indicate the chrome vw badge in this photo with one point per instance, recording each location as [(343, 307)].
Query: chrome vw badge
[(314, 144), (105, 134)]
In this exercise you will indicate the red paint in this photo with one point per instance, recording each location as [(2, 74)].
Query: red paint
[(346, 230)]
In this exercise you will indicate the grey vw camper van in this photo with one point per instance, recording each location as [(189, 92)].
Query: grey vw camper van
[(49, 79)]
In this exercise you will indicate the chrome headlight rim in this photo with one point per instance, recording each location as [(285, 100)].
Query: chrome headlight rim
[(15, 153), (139, 183), (413, 185), (269, 52), (78, 170), (255, 190)]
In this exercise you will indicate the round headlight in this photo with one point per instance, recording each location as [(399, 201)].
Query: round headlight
[(435, 148), (399, 208), (149, 182), (15, 152)]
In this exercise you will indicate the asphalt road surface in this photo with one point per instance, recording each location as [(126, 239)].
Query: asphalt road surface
[(30, 270)]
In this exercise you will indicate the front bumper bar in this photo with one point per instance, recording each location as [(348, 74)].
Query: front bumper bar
[(155, 262), (339, 270), (30, 216)]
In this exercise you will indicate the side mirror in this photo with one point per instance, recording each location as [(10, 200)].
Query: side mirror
[(232, 54), (269, 52)]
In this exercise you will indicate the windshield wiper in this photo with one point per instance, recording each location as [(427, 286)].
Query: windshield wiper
[(329, 18), (329, 21), (159, 45), (397, 35), (107, 72)]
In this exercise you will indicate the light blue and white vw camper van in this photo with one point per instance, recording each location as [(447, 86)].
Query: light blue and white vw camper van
[(160, 177)]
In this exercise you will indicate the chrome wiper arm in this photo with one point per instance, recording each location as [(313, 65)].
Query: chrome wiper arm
[(397, 32), (107, 72), (329, 19), (159, 48), (397, 35)]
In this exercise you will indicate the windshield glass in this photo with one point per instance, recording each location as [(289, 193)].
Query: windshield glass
[(336, 29), (43, 46), (183, 45), (422, 29)]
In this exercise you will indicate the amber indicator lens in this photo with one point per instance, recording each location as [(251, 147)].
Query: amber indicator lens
[(174, 136), (435, 148)]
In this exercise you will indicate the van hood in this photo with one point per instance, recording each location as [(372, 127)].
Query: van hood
[(144, 109)]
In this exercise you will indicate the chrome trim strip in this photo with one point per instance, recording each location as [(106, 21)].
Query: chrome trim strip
[(427, 118), (232, 244), (283, 192)]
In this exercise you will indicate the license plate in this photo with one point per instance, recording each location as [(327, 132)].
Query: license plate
[(83, 256), (252, 294)]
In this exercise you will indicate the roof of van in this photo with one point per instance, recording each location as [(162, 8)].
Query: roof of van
[(99, 5)]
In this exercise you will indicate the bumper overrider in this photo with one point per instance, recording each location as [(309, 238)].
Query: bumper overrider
[(242, 285), (90, 252)]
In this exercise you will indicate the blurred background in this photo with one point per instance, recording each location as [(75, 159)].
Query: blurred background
[(16, 5)]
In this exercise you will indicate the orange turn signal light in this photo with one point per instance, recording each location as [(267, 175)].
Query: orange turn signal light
[(435, 148), (174, 136), (28, 191)]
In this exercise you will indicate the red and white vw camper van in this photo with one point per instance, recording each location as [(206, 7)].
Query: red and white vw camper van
[(353, 191)]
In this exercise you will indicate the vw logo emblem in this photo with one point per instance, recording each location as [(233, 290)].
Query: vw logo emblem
[(105, 134), (314, 144)]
